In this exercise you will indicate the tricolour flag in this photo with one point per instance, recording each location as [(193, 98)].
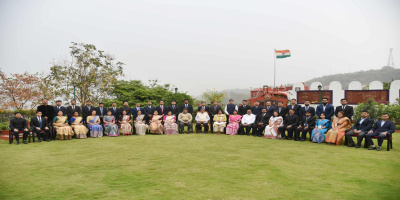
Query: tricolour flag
[(282, 53)]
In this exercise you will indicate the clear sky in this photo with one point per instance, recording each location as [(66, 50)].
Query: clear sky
[(198, 45)]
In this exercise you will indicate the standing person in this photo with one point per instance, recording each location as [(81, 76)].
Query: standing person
[(148, 111), (19, 124), (60, 125), (326, 108), (261, 122), (230, 108), (348, 110), (214, 109), (185, 119), (219, 122), (243, 108), (87, 110), (202, 119), (136, 109), (289, 124), (110, 125), (114, 110), (101, 111), (270, 108), (47, 110), (72, 109), (382, 129), (339, 126), (140, 124), (77, 123), (59, 107), (307, 124), (247, 123), (188, 106), (203, 106), (361, 127), (174, 109), (125, 121), (161, 109), (306, 108), (322, 125), (271, 131), (170, 127), (93, 122), (282, 111), (296, 107), (39, 124), (234, 120), (256, 109), (126, 108), (155, 123)]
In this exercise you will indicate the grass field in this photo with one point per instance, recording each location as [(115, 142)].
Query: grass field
[(196, 167)]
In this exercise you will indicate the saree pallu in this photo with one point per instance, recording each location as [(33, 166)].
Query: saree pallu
[(63, 132), (95, 130), (110, 129), (140, 126), (233, 126), (272, 132), (318, 134), (219, 127), (80, 130), (126, 128), (336, 137), (170, 127), (155, 125)]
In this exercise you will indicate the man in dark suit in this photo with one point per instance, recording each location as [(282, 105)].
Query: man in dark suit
[(294, 106), (47, 110), (362, 126), (87, 110), (174, 109), (262, 121), (126, 108), (136, 109), (348, 110), (101, 111), (59, 107), (39, 124), (73, 108), (114, 110), (289, 124), (243, 108), (256, 109), (270, 108), (306, 108), (282, 111), (326, 108), (186, 105), (162, 109), (381, 129), (213, 111), (149, 111), (19, 124), (203, 106), (307, 124)]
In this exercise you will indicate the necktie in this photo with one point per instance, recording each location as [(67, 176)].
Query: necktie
[(203, 107), (40, 121), (280, 110), (344, 107), (58, 107), (114, 109), (138, 109), (186, 105), (101, 110), (173, 107), (162, 110), (89, 108), (305, 124), (306, 108), (215, 108), (73, 107)]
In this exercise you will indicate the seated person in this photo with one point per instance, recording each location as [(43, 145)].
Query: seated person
[(202, 119), (382, 129), (233, 126), (307, 124), (247, 122), (40, 124), (271, 131), (60, 125), (155, 123), (110, 126), (261, 122), (125, 121), (19, 124), (289, 123), (77, 124), (185, 119), (361, 127), (170, 127), (339, 125), (219, 122), (140, 123), (93, 122), (318, 134)]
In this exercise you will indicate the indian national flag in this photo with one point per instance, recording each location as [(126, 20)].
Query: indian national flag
[(282, 53)]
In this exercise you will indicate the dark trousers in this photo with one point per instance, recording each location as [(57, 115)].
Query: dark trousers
[(258, 129), (211, 122), (303, 132), (360, 137), (198, 126), (247, 128), (16, 134), (289, 130), (42, 135), (182, 126), (368, 138)]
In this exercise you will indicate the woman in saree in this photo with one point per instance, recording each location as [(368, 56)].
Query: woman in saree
[(322, 125), (60, 125), (77, 123), (93, 122), (339, 126), (233, 126), (140, 125), (219, 122), (109, 125), (271, 131), (155, 124), (170, 127), (125, 121)]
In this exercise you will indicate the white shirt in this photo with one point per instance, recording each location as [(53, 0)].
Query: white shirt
[(226, 109), (248, 119)]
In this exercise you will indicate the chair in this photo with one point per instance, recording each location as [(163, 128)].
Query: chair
[(389, 139)]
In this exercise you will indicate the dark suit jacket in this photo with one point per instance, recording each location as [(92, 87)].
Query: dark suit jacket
[(303, 111), (86, 112), (127, 109), (47, 111), (261, 119), (62, 108), (35, 123), (115, 113), (348, 111), (296, 109), (291, 120), (206, 108), (149, 110), (189, 108), (99, 113), (283, 112), (366, 125), (270, 111), (310, 122), (388, 127), (214, 111), (174, 111), (329, 111), (164, 112), (243, 110), (135, 110), (70, 111), (256, 110)]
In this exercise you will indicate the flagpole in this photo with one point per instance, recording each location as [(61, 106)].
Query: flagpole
[(274, 66)]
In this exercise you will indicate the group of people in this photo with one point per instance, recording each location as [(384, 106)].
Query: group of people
[(293, 122)]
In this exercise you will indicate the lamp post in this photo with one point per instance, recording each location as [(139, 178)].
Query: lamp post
[(265, 87), (74, 83), (319, 88), (176, 90)]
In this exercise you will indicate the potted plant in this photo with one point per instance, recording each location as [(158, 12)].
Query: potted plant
[(4, 128)]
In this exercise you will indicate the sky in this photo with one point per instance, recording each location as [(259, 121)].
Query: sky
[(199, 45)]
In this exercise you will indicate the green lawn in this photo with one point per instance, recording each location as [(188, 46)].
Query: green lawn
[(195, 166)]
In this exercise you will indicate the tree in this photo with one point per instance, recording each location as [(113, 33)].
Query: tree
[(94, 72), (212, 95)]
